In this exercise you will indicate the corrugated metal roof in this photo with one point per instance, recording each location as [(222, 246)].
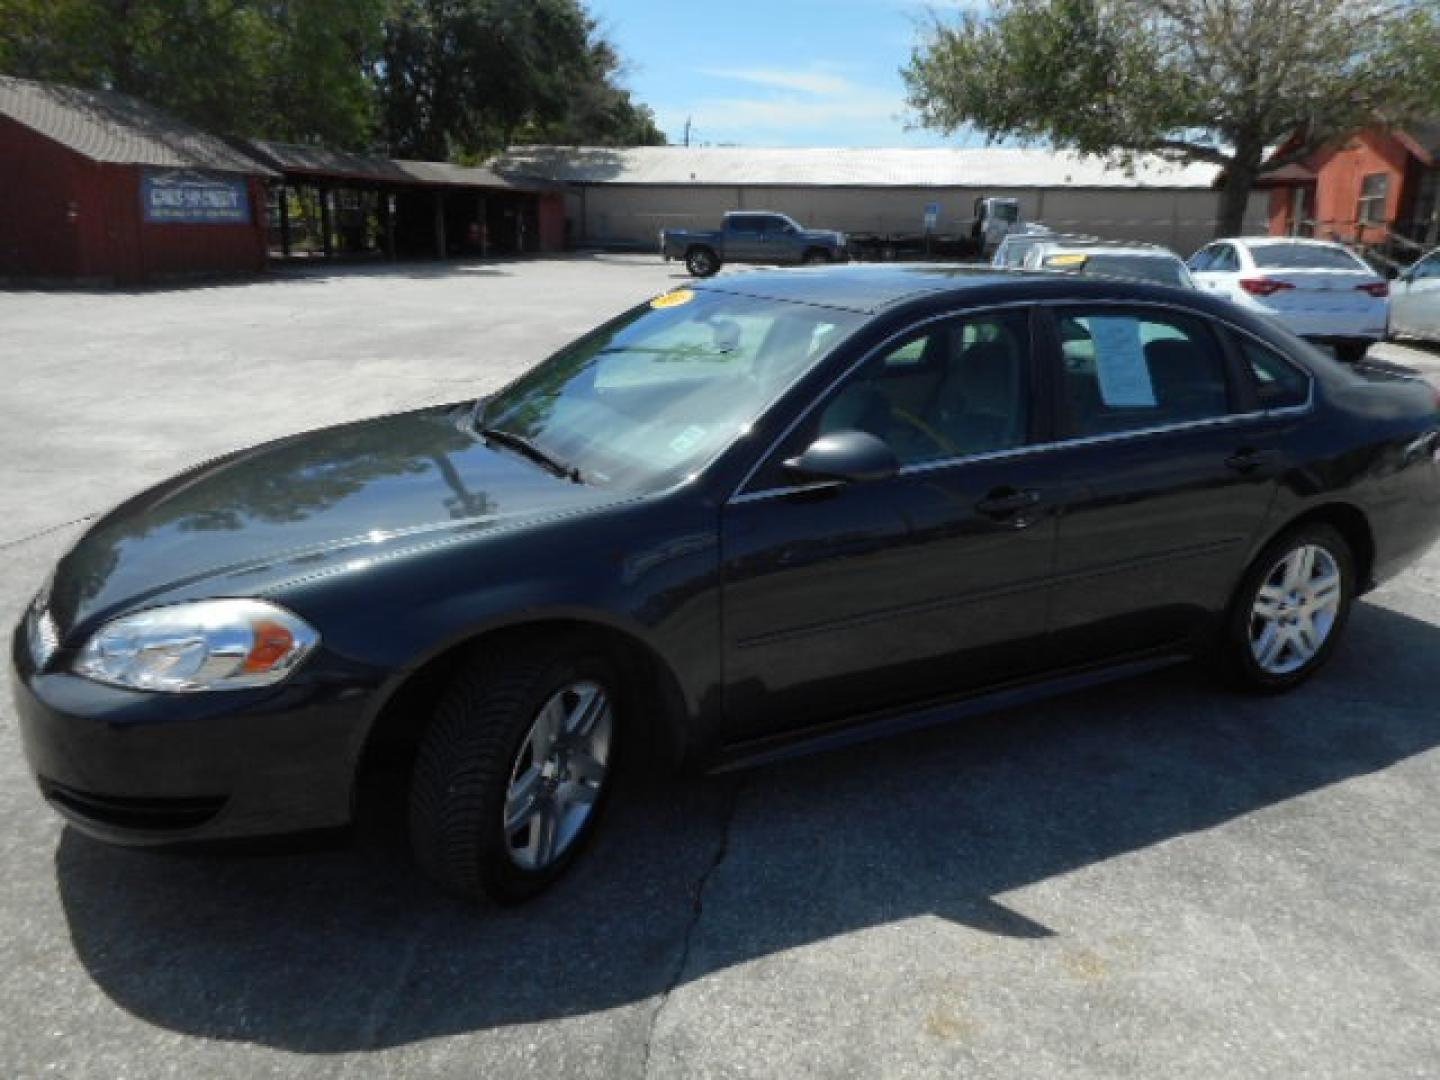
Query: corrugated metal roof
[(984, 167), (441, 172), (111, 127), (293, 157), (337, 164)]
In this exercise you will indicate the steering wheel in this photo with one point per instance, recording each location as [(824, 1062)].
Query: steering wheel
[(933, 437)]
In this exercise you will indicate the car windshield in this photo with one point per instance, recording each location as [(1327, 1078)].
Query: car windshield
[(1303, 257), (1139, 267), (652, 396)]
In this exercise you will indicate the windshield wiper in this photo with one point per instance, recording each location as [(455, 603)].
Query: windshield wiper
[(530, 449)]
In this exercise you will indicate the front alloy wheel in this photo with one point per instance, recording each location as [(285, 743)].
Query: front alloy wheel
[(558, 775), (515, 767)]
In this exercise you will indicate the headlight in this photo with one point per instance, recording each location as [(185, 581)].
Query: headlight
[(206, 645)]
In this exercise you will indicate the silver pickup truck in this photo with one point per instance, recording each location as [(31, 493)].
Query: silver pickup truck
[(747, 236)]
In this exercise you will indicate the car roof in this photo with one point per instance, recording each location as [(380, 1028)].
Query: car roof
[(1268, 241), (1143, 250), (873, 288)]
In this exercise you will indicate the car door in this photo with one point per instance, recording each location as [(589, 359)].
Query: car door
[(1168, 467), (743, 239), (781, 243), (842, 598), (1415, 299)]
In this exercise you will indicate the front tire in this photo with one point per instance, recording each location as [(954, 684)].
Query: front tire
[(701, 262), (815, 257), (514, 770), (1290, 611)]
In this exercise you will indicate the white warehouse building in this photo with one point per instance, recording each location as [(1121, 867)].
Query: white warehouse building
[(623, 197)]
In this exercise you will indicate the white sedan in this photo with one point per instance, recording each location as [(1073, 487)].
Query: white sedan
[(1317, 289), (1415, 301)]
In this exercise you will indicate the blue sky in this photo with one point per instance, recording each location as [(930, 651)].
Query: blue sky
[(776, 73)]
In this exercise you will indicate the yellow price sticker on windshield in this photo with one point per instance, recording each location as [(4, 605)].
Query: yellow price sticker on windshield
[(1067, 260), (673, 299)]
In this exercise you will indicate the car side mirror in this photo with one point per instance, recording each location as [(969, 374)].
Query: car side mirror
[(852, 457)]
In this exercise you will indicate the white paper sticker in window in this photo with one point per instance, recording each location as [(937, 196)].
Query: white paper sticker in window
[(1120, 363)]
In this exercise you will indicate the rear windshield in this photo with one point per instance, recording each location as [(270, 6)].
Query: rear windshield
[(1140, 267), (1304, 257)]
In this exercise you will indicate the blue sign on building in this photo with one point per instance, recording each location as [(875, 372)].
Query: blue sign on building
[(190, 197)]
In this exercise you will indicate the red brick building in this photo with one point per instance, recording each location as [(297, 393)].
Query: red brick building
[(101, 186), (1371, 186)]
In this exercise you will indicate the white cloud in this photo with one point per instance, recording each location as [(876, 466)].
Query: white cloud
[(808, 82), (815, 106)]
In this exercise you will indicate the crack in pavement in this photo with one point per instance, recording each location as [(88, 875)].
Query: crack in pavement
[(697, 909), (7, 544)]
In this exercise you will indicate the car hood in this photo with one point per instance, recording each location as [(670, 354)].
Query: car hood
[(822, 234), (304, 505)]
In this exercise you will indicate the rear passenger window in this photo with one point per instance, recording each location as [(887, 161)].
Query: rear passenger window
[(1125, 372), (1279, 384)]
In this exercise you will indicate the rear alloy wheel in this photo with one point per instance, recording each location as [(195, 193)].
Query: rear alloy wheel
[(514, 771), (1290, 611), (701, 262)]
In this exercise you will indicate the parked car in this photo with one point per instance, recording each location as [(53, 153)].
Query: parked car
[(1139, 262), (735, 522), (1013, 249), (751, 237), (1318, 289), (1415, 300)]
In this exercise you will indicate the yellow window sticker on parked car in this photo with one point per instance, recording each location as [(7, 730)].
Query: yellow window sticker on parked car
[(673, 299)]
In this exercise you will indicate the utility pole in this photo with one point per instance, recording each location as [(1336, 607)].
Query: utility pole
[(687, 131)]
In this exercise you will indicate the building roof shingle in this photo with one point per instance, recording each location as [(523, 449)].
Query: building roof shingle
[(112, 127), (983, 167)]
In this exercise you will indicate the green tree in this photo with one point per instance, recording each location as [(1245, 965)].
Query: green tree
[(1218, 81), (461, 79), (437, 79), (286, 69)]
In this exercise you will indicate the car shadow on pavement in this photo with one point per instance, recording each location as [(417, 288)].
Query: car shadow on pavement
[(346, 950)]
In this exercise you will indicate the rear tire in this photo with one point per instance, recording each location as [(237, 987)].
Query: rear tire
[(1351, 352), (488, 755), (1289, 612), (701, 262)]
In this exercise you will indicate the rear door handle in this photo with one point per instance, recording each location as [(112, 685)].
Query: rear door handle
[(1004, 503), (1247, 460)]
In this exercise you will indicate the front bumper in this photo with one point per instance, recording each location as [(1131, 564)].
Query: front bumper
[(142, 768)]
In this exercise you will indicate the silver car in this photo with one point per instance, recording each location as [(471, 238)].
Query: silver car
[(1415, 300), (1138, 262)]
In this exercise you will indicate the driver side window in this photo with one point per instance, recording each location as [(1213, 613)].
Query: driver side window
[(954, 389)]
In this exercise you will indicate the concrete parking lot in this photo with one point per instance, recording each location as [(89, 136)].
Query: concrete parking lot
[(1156, 879)]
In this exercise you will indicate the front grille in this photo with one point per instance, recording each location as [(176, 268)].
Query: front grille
[(127, 812)]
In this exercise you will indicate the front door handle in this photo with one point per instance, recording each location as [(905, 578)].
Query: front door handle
[(1004, 504), (1248, 460)]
